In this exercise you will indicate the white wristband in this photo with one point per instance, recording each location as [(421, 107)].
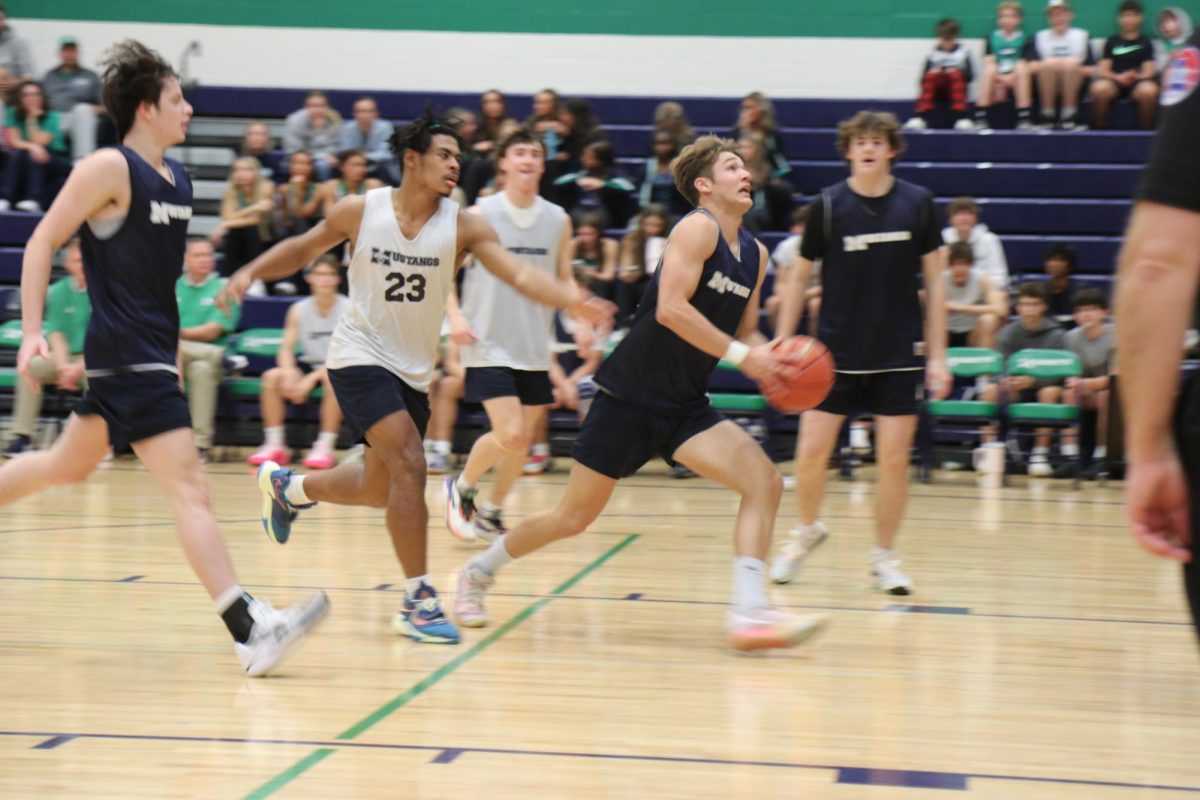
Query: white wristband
[(736, 353)]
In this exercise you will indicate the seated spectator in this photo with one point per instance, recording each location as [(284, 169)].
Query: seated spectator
[(445, 393), (203, 329), (670, 117), (658, 186), (757, 116), (1031, 329), (1005, 71), (1174, 30), (1059, 264), (316, 128), (974, 306), (546, 120), (16, 63), (66, 321), (946, 75), (641, 250), (1060, 59), (353, 167), (597, 187), (580, 129), (298, 200), (493, 113), (309, 323), (256, 143), (245, 227), (37, 152), (783, 261), (1093, 340), (74, 92), (772, 195), (370, 135), (963, 215), (1126, 69), (594, 256)]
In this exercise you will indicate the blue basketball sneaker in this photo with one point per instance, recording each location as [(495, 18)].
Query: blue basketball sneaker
[(277, 513), (423, 619)]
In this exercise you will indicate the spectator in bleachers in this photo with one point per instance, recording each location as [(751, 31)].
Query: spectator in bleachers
[(353, 167), (16, 63), (1005, 71), (37, 151), (298, 201), (658, 186), (309, 324), (246, 211), (757, 116), (203, 328), (974, 306), (579, 130), (316, 128), (597, 186), (1060, 287), (594, 255), (1126, 69), (256, 143), (369, 134), (66, 319), (1174, 30), (783, 261), (772, 195), (445, 393), (641, 250), (493, 113), (963, 215), (1060, 59), (74, 92), (669, 116), (1094, 341), (546, 121), (946, 74)]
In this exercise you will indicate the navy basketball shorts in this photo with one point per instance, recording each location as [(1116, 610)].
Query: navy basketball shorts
[(1187, 442), (617, 439), (367, 394), (136, 405), (885, 394), (531, 387)]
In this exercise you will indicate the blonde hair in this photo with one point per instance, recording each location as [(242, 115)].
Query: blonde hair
[(1010, 5), (696, 161), (766, 122), (864, 122)]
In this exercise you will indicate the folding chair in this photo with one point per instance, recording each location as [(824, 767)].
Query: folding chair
[(960, 416), (1042, 364)]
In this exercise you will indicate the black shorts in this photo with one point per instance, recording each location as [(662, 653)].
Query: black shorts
[(368, 394), (1187, 442), (1125, 92), (886, 394), (532, 388), (616, 438), (136, 405), (954, 339)]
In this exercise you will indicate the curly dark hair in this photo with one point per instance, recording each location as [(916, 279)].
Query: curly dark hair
[(133, 74), (418, 134)]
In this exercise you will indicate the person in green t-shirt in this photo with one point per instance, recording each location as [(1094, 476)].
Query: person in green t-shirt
[(37, 151), (1005, 71), (66, 321), (203, 329)]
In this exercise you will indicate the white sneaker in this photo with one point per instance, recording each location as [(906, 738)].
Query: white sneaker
[(802, 541), (5, 206), (1039, 467), (964, 124), (769, 628), (31, 206), (468, 600), (888, 577), (860, 440), (276, 631), (1069, 450), (915, 124)]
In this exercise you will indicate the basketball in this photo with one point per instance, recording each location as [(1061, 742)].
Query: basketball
[(807, 374)]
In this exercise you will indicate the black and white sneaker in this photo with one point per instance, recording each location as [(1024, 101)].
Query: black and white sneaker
[(277, 631)]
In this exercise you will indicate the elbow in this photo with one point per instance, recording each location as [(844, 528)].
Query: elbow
[(667, 315)]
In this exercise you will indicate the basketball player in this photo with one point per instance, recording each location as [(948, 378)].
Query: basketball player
[(505, 337), (877, 236), (700, 305), (407, 244), (1156, 303), (134, 205)]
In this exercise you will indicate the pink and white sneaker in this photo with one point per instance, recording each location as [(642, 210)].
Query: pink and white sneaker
[(468, 599), (267, 453), (770, 628), (320, 458)]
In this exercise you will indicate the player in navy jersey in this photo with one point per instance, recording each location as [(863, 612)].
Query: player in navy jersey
[(701, 305), (1156, 303), (877, 236), (134, 205)]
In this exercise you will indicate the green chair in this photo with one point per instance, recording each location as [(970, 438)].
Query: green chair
[(1044, 365), (960, 416), (10, 334)]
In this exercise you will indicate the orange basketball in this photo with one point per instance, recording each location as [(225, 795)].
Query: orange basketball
[(807, 374)]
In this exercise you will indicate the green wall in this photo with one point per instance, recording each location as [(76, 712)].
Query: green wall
[(860, 18)]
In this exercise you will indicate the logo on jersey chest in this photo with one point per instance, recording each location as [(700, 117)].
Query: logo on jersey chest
[(722, 284), (529, 251), (387, 258), (163, 213), (858, 244)]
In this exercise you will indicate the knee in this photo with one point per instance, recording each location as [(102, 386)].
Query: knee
[(270, 379), (72, 470), (199, 370), (1146, 92), (1049, 394), (893, 460), (377, 496), (574, 521), (988, 323), (770, 485), (514, 437)]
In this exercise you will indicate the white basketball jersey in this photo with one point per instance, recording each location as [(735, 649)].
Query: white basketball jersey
[(514, 331), (398, 290)]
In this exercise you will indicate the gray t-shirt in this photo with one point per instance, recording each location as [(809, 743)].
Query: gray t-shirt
[(1096, 354), (65, 90)]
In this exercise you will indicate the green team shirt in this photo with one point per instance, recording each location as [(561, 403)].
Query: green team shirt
[(198, 305), (48, 124), (1007, 51), (67, 312)]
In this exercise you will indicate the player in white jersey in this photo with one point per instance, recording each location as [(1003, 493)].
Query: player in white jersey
[(407, 244), (505, 337)]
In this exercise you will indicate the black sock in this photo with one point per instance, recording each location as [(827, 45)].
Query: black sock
[(1022, 113), (980, 114), (238, 620)]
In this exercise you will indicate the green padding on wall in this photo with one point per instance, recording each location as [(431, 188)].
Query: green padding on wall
[(738, 402)]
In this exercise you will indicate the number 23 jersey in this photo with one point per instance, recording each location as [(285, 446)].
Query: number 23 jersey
[(398, 290)]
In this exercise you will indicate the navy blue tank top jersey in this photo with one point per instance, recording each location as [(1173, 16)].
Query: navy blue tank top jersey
[(131, 273), (655, 369), (870, 250)]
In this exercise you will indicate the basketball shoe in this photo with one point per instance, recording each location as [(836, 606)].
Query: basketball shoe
[(277, 631), (770, 628), (886, 570), (802, 541), (278, 513), (472, 586), (423, 619), (460, 510)]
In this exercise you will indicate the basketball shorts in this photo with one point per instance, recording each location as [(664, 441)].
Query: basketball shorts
[(1187, 442), (136, 405), (531, 387), (886, 394), (617, 439), (367, 394)]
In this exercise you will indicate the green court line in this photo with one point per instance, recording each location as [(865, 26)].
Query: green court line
[(300, 767)]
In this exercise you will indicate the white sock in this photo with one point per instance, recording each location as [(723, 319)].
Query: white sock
[(1069, 450), (1069, 111), (273, 437), (413, 585), (491, 559), (442, 448), (1040, 452), (225, 599), (325, 441), (882, 554), (540, 449), (462, 486), (749, 592), (294, 493), (1100, 451)]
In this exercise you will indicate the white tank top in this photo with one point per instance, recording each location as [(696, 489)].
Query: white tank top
[(316, 330), (514, 331), (398, 290)]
